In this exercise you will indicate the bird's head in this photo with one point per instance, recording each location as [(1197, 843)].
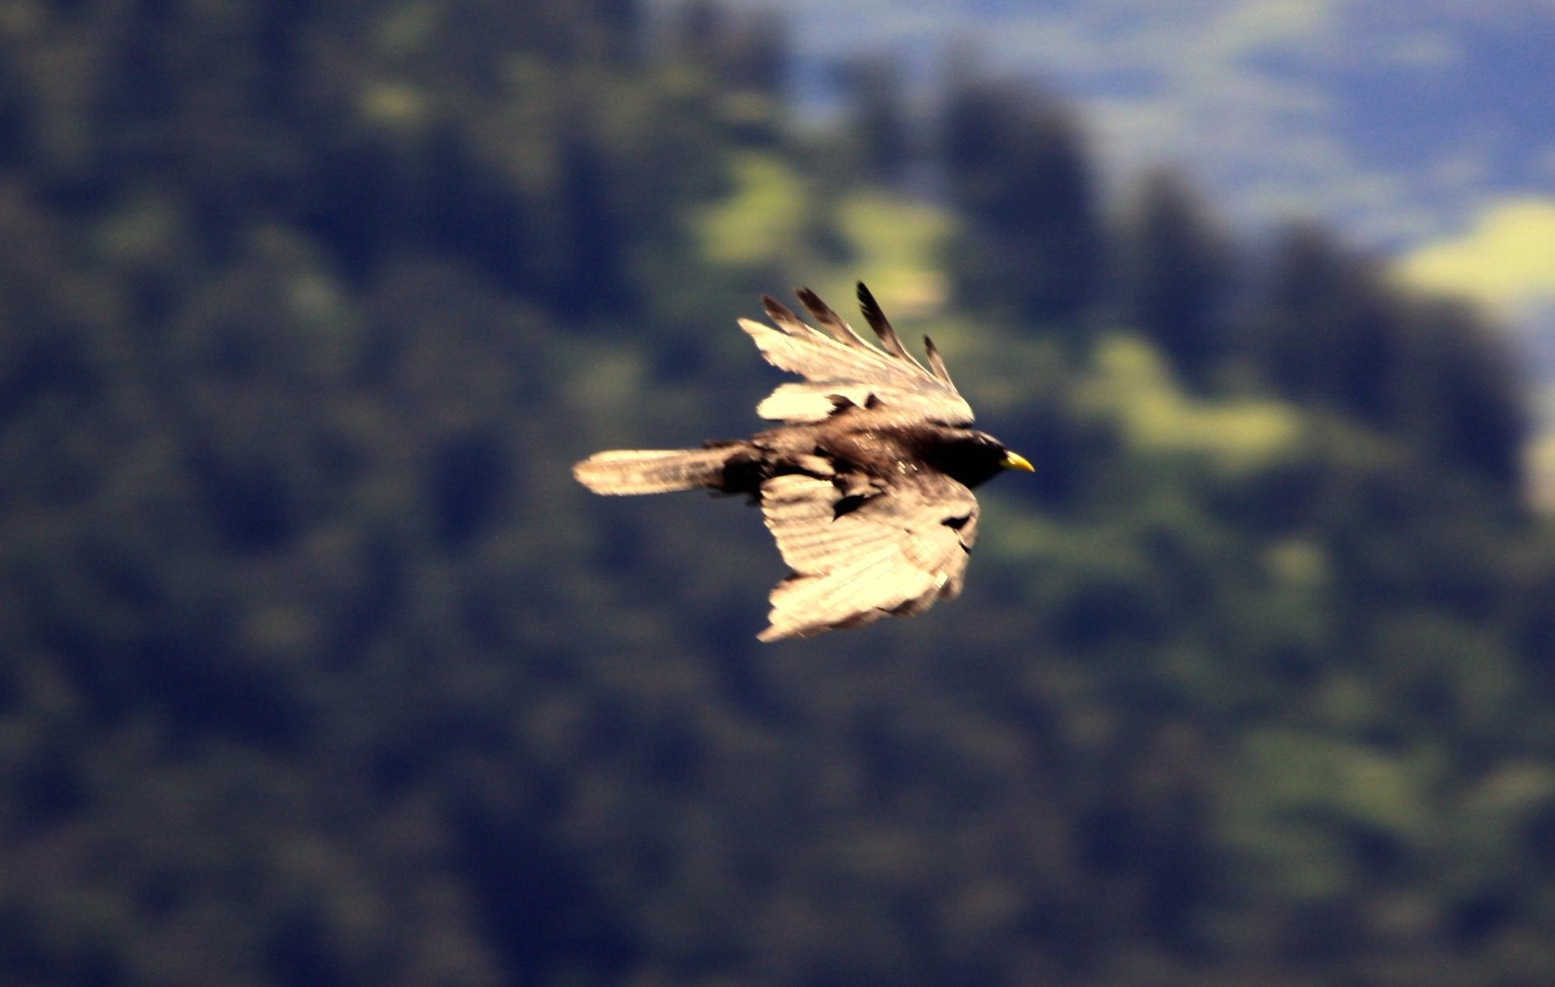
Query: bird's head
[(977, 457)]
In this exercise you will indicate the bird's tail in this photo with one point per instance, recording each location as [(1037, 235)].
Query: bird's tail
[(647, 471)]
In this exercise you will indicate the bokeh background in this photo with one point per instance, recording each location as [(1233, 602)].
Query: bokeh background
[(318, 668)]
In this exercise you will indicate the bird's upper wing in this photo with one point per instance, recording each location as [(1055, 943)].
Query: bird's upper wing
[(840, 369), (903, 546)]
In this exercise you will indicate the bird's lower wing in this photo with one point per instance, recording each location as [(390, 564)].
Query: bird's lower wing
[(894, 552)]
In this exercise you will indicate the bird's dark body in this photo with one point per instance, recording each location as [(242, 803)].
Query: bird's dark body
[(867, 487), (857, 445)]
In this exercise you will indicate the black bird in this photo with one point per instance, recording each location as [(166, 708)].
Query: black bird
[(868, 485)]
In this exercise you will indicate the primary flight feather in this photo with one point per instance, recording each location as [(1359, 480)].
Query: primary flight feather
[(867, 487)]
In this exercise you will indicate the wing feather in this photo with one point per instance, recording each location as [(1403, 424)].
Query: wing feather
[(937, 362), (882, 326), (841, 369), (829, 319), (897, 552)]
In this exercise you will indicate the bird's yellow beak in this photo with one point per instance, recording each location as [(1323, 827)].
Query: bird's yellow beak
[(1015, 461)]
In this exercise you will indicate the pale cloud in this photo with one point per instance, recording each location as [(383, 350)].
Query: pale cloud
[(1505, 261), (1261, 24)]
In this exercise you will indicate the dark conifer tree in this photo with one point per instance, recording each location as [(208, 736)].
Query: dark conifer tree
[(1459, 395), (879, 118), (1015, 163), (1324, 329), (1329, 330), (1175, 272)]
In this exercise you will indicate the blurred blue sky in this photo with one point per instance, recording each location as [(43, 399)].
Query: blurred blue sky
[(1400, 120)]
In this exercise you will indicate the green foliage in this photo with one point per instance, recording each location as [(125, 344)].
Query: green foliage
[(1155, 416), (320, 669), (762, 221)]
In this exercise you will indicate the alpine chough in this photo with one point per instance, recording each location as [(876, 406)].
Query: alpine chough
[(867, 487)]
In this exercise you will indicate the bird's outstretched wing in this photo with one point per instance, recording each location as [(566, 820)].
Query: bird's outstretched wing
[(857, 557), (841, 370)]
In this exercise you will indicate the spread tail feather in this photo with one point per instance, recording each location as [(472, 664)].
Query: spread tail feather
[(648, 471)]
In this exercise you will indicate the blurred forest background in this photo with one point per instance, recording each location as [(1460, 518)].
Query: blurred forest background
[(319, 669)]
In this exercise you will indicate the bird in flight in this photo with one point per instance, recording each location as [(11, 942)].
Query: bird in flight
[(867, 486)]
